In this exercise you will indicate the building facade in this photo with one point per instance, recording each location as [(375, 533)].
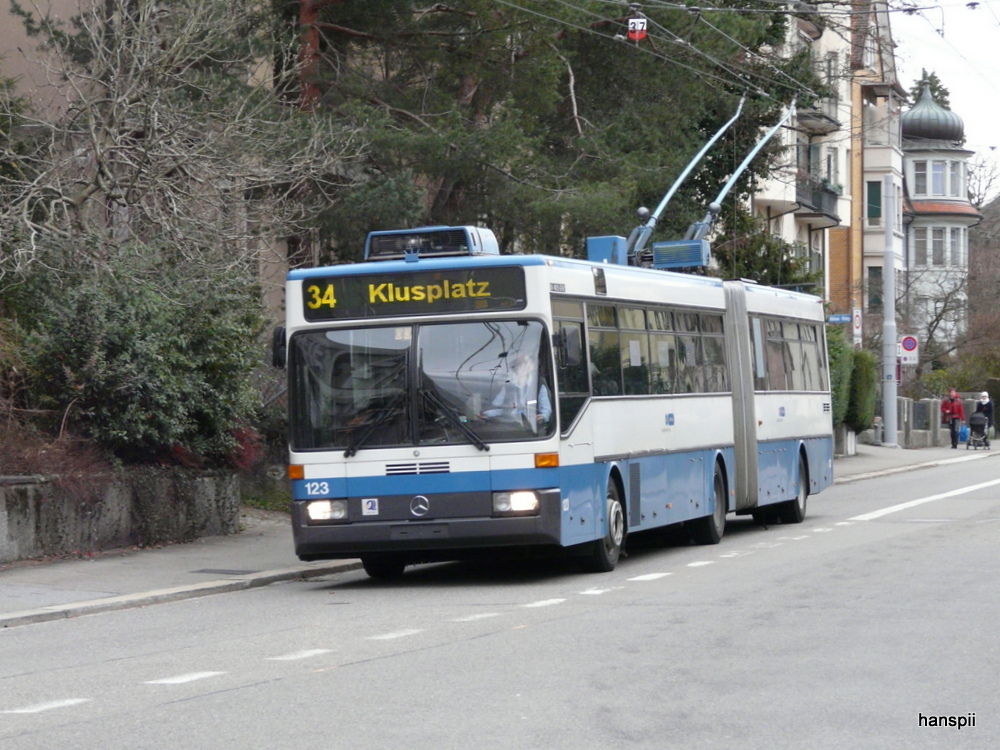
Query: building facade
[(938, 215)]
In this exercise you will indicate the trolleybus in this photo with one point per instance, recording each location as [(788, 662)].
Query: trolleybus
[(446, 400)]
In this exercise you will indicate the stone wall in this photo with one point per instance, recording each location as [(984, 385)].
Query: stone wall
[(41, 517)]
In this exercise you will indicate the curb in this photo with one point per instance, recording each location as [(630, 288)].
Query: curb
[(176, 594), (911, 467)]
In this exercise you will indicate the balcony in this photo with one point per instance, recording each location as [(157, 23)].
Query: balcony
[(821, 118), (817, 202), (808, 19)]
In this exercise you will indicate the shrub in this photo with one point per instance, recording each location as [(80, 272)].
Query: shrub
[(150, 360), (864, 391), (841, 365)]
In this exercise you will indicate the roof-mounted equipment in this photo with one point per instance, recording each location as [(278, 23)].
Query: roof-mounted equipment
[(430, 242)]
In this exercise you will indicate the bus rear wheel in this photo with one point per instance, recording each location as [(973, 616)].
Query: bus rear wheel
[(794, 511), (383, 567), (607, 550), (709, 530)]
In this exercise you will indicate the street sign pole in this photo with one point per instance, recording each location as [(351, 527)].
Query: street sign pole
[(889, 405)]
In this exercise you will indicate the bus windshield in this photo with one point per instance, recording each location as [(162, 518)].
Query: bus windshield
[(402, 385)]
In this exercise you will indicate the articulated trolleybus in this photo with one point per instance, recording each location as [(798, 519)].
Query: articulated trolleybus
[(446, 400)]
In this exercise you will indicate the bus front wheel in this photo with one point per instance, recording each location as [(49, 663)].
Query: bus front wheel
[(383, 567), (608, 549)]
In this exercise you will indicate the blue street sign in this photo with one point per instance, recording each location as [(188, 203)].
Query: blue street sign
[(842, 318)]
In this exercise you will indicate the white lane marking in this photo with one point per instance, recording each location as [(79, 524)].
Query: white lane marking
[(798, 538), (299, 655), (544, 603), (594, 592), (396, 634), (737, 553), (182, 678), (473, 618), (650, 577), (914, 503), (843, 523), (821, 531), (700, 563), (39, 707)]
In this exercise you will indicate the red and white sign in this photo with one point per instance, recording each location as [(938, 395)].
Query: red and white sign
[(636, 29), (909, 350)]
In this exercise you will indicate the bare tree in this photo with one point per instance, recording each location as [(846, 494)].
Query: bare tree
[(984, 179), (934, 304), (167, 129)]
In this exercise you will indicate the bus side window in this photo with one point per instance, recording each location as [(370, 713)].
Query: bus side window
[(759, 354), (605, 363), (664, 358), (573, 386)]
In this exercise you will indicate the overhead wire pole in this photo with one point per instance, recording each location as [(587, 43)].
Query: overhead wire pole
[(640, 235), (889, 338), (699, 230)]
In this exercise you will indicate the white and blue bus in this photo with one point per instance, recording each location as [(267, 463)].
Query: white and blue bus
[(446, 400)]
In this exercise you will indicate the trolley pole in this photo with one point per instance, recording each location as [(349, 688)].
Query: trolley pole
[(889, 401)]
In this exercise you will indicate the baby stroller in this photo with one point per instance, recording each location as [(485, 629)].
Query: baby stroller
[(977, 432)]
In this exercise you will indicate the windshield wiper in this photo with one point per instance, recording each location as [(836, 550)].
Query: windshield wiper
[(389, 411), (454, 419)]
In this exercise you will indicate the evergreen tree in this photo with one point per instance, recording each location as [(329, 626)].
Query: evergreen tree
[(543, 122), (938, 90), (745, 249)]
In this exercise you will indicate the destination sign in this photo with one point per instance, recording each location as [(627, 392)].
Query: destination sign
[(422, 293)]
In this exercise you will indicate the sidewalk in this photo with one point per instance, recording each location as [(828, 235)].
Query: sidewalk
[(37, 591)]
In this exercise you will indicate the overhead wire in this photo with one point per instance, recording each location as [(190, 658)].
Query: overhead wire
[(740, 77), (731, 68)]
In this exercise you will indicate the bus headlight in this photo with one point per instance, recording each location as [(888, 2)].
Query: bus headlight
[(327, 510), (519, 503)]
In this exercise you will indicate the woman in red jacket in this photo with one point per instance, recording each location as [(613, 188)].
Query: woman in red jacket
[(953, 414)]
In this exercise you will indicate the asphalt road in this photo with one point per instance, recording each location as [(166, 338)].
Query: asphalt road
[(875, 616)]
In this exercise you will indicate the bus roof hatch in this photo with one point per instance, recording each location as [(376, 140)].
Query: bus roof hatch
[(428, 242)]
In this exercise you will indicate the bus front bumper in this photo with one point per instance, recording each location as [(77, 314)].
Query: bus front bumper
[(429, 538)]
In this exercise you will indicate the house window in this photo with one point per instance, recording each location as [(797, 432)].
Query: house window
[(920, 246), (920, 178), (874, 287), (937, 177), (874, 204), (957, 251), (937, 247), (956, 179), (831, 166)]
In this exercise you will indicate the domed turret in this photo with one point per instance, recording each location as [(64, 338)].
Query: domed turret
[(928, 120)]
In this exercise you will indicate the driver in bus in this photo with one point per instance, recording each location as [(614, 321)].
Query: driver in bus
[(512, 403)]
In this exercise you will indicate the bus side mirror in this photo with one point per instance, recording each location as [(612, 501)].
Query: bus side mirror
[(279, 350), (570, 350)]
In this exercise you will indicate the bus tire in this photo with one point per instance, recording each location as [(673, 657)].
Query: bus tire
[(383, 567), (709, 530), (608, 549), (794, 511)]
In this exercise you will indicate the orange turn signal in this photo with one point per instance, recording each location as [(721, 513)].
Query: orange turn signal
[(296, 471), (546, 460)]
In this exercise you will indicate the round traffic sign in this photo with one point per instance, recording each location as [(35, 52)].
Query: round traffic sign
[(909, 343)]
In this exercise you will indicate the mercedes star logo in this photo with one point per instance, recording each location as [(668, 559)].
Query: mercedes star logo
[(420, 505)]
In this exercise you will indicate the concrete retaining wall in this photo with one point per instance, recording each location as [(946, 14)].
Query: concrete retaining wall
[(41, 517), (918, 424)]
